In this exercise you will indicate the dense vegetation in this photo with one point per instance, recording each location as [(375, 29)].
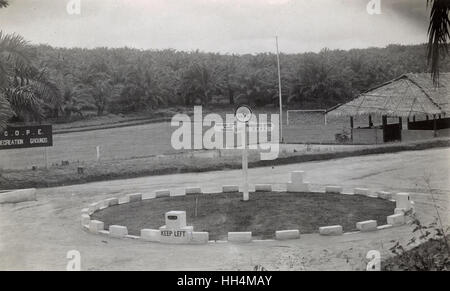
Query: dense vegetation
[(126, 80), (42, 82)]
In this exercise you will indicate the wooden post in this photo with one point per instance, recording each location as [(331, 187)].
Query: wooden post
[(370, 121), (400, 122), (384, 121), (434, 125), (351, 127)]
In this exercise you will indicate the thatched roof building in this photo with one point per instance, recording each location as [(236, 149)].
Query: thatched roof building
[(405, 96)]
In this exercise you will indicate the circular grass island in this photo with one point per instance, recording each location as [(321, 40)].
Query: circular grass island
[(264, 214)]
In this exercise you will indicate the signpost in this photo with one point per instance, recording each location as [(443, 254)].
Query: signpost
[(243, 115), (31, 136), (16, 137)]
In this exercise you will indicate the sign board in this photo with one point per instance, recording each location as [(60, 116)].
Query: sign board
[(243, 114), (17, 137)]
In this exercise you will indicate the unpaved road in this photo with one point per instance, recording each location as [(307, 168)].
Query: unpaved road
[(37, 235)]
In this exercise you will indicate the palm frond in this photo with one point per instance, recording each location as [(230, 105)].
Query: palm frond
[(3, 3), (438, 34), (15, 49), (5, 111), (24, 102)]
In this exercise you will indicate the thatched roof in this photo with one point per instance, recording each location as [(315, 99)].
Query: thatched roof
[(405, 96)]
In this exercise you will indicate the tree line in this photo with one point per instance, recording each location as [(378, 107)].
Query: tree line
[(47, 82)]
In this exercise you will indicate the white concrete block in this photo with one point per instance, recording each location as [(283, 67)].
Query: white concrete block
[(85, 211), (293, 188), (148, 196), (263, 188), (200, 238), (400, 211), (175, 219), (176, 236), (396, 219), (94, 207), (153, 235), (134, 197), (193, 191), (240, 237), (333, 189), (230, 188), (331, 230), (287, 234), (361, 191), (118, 231), (112, 201), (384, 195), (403, 200), (85, 219), (369, 225), (95, 226), (297, 177), (18, 196), (162, 193)]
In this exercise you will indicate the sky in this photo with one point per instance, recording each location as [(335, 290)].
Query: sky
[(225, 26)]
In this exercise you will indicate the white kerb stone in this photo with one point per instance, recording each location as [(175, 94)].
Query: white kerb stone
[(18, 196), (294, 188), (153, 235), (193, 191), (85, 219), (118, 231), (134, 197), (200, 238), (369, 225), (96, 226), (93, 207), (162, 193), (287, 234), (331, 230), (384, 195), (230, 188), (240, 237), (396, 219), (263, 188), (361, 191), (112, 201), (333, 189)]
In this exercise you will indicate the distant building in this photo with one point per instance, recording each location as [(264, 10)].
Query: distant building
[(409, 107)]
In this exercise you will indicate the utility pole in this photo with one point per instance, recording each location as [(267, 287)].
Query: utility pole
[(279, 91)]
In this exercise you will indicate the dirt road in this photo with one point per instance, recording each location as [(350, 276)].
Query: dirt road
[(37, 235)]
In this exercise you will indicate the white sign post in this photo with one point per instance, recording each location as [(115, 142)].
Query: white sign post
[(243, 114)]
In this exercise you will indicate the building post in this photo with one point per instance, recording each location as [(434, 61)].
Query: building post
[(351, 127), (434, 125)]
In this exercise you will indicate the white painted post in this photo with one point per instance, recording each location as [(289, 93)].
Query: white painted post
[(245, 166), (46, 157), (98, 153)]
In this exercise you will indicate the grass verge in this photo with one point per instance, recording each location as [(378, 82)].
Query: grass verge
[(147, 166)]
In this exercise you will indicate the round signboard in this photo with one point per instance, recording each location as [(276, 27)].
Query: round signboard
[(243, 114)]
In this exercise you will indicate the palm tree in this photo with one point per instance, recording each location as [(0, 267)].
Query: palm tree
[(438, 33), (3, 3)]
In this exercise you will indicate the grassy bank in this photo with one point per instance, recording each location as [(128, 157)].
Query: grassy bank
[(132, 168)]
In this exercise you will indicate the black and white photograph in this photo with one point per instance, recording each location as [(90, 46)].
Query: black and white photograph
[(225, 141)]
